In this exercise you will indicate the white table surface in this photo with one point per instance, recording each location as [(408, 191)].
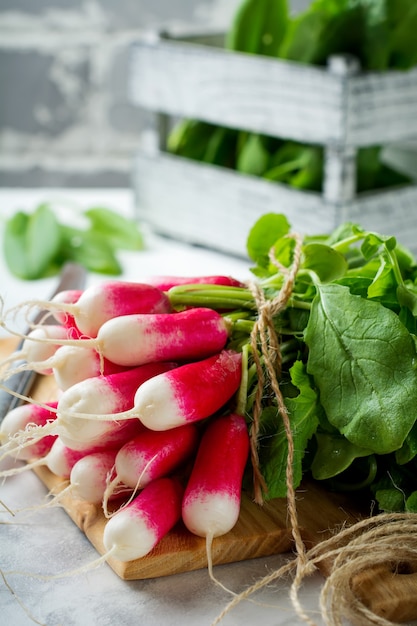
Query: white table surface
[(48, 542)]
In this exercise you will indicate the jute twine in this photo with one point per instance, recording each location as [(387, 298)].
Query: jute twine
[(387, 539)]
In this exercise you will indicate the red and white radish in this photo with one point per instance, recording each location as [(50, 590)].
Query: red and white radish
[(110, 395), (190, 393), (68, 296), (183, 395), (112, 435), (37, 348), (152, 455), (21, 418), (133, 340), (72, 364), (89, 477), (212, 497), (99, 303), (138, 527), (59, 460)]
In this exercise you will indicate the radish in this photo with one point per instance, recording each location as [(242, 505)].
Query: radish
[(68, 296), (38, 346), (151, 455), (167, 282), (212, 497), (112, 434), (133, 340), (59, 460), (137, 339), (22, 417), (189, 393), (99, 303), (99, 398), (88, 478), (138, 527), (72, 364), (109, 395)]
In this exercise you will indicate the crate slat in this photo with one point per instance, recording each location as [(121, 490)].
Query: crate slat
[(382, 108), (237, 90), (213, 207)]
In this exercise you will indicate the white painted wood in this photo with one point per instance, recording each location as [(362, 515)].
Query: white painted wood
[(334, 107), (339, 177), (237, 90), (216, 208), (271, 96), (392, 212), (382, 108)]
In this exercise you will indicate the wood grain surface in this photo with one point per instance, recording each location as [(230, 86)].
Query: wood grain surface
[(260, 531)]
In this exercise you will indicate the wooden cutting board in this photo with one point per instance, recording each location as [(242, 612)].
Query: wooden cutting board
[(260, 531)]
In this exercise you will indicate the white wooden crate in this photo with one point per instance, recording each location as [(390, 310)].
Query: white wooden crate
[(337, 107)]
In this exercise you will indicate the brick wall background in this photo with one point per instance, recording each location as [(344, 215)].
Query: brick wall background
[(64, 117)]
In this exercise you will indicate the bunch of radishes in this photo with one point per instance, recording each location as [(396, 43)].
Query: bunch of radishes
[(146, 411)]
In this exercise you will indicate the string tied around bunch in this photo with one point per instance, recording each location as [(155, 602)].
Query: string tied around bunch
[(264, 335)]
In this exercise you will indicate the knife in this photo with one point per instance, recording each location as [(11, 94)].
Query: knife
[(73, 276)]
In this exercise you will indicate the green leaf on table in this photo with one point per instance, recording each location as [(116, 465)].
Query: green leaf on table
[(89, 249), (121, 233), (31, 242), (363, 361)]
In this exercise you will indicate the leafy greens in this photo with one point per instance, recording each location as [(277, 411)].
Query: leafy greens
[(349, 358), (379, 33), (37, 244)]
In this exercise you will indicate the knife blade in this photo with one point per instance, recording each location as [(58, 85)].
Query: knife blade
[(73, 276)]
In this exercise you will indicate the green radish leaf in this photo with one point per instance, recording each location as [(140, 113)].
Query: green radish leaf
[(334, 455), (304, 410), (31, 242), (407, 297), (119, 232), (409, 448), (363, 361), (327, 263), (411, 503), (263, 235), (373, 242), (390, 500)]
